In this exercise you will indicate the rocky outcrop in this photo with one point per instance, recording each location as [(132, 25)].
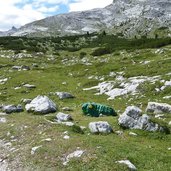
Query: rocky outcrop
[(157, 108), (42, 105), (132, 118)]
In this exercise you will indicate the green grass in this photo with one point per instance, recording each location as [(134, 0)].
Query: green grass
[(147, 151)]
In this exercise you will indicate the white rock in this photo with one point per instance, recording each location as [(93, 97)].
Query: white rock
[(41, 104), (47, 139), (63, 117), (170, 123), (3, 120), (133, 119), (132, 133), (128, 163), (12, 108), (33, 150), (158, 107), (66, 137), (167, 97), (3, 81), (100, 127), (64, 95), (119, 132), (75, 154), (29, 86), (169, 148)]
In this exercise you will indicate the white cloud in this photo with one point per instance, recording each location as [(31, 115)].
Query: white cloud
[(81, 5)]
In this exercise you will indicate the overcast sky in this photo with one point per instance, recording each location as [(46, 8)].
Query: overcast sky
[(19, 12)]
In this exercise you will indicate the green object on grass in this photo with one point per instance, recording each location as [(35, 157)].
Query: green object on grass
[(95, 109)]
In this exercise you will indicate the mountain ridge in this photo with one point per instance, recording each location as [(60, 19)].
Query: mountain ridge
[(127, 18)]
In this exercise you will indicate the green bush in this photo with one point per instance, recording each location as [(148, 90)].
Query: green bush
[(101, 51)]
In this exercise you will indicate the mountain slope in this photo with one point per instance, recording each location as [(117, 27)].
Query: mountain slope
[(123, 17)]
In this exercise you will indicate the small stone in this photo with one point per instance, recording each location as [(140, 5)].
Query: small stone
[(3, 120), (64, 95), (47, 139), (33, 150), (63, 117), (128, 163), (29, 86), (119, 132), (12, 108), (67, 109), (66, 137), (132, 133), (75, 154)]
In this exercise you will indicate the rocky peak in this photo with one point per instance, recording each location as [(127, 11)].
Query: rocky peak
[(127, 18)]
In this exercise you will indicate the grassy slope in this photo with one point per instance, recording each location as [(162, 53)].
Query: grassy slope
[(148, 151)]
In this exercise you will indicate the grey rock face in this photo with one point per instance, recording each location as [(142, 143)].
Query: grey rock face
[(133, 119), (12, 109), (63, 117), (158, 108), (64, 95), (100, 127), (128, 17), (42, 105)]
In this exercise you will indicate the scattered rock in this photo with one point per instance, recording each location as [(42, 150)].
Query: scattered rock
[(159, 116), (170, 123), (29, 86), (157, 108), (34, 149), (67, 109), (47, 139), (100, 127), (3, 81), (128, 163), (67, 123), (132, 133), (75, 154), (133, 119), (64, 95), (16, 67), (119, 132), (66, 137), (12, 109), (42, 105), (169, 148), (25, 68), (3, 120), (167, 97), (62, 117), (26, 101)]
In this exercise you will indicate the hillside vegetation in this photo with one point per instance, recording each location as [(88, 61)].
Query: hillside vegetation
[(74, 64)]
